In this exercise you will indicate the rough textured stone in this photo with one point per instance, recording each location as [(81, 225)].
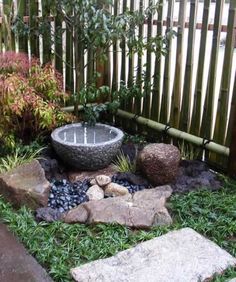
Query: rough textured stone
[(159, 163), (193, 175), (48, 214), (114, 190), (25, 185), (179, 256), (81, 175), (95, 193), (101, 146), (143, 209), (103, 180)]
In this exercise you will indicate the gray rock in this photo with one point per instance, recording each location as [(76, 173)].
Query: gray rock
[(143, 209), (103, 180), (179, 256), (25, 185), (232, 280), (95, 193), (48, 214), (114, 190), (103, 143), (159, 163)]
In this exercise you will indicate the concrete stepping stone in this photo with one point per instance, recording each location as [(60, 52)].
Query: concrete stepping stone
[(16, 265), (178, 256)]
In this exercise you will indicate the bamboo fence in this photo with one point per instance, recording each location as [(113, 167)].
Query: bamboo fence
[(193, 86)]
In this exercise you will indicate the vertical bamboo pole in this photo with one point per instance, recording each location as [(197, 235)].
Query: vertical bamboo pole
[(137, 102), (223, 101), (47, 33), (164, 114), (206, 128), (69, 60), (147, 83), (123, 48), (185, 116), (197, 101), (58, 44), (34, 40), (231, 135), (115, 53), (176, 96), (129, 102), (21, 6), (155, 107), (9, 36), (232, 117)]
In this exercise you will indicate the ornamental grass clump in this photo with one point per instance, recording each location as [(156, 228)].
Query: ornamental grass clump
[(30, 99)]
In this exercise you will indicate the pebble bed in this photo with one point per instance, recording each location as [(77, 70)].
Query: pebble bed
[(65, 195)]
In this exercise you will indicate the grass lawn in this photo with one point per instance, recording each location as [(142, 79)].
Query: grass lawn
[(59, 246)]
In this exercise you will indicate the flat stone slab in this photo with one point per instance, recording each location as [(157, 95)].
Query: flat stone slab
[(142, 209), (178, 256), (16, 265)]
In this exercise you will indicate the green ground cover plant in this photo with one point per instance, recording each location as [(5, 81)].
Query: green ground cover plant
[(58, 246)]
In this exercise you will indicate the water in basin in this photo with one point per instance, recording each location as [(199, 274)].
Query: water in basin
[(87, 135)]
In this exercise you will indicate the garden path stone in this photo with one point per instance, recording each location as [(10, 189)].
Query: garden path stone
[(178, 256), (143, 209), (25, 185), (16, 265)]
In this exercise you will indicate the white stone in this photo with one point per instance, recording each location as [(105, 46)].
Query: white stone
[(93, 182), (232, 280), (114, 190), (95, 193), (103, 180), (179, 256)]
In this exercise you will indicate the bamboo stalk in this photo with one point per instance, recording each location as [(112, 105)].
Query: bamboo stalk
[(223, 101), (137, 102), (147, 83), (9, 36), (198, 95), (69, 60), (123, 48), (115, 53), (185, 116), (155, 107), (47, 33), (206, 128), (129, 102), (232, 115), (34, 40), (176, 96), (164, 114), (58, 44)]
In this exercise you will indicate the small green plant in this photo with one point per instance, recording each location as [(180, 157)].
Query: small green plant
[(18, 157), (124, 164)]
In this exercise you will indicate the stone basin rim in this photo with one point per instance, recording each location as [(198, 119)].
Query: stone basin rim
[(55, 135)]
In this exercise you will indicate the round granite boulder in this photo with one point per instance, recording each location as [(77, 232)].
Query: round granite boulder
[(159, 162), (87, 147)]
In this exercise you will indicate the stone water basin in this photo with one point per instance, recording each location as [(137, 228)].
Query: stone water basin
[(87, 147)]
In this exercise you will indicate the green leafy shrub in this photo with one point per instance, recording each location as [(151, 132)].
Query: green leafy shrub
[(30, 101)]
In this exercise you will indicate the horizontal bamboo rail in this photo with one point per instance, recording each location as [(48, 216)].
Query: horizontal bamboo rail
[(211, 146)]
